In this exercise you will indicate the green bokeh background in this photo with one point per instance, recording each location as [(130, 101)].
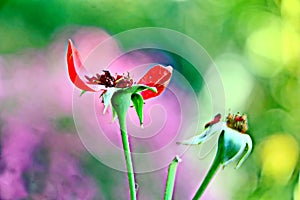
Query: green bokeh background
[(256, 47)]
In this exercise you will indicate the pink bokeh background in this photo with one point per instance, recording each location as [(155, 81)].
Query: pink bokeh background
[(42, 159)]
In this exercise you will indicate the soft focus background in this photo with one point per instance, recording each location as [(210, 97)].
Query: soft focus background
[(255, 45)]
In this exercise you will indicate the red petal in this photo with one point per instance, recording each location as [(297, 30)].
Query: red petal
[(73, 61), (216, 120), (159, 77)]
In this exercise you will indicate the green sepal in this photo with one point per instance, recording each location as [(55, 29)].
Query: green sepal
[(114, 114), (205, 135), (82, 92), (120, 102), (140, 87), (138, 103), (198, 139), (235, 147), (106, 97), (120, 98)]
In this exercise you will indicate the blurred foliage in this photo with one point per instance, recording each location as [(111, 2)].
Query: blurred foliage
[(212, 23), (108, 181), (263, 34), (65, 124)]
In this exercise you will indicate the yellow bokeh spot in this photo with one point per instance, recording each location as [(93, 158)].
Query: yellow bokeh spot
[(291, 45), (279, 155), (290, 10)]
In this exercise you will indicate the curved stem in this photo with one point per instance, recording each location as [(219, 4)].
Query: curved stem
[(213, 168), (127, 154), (171, 178)]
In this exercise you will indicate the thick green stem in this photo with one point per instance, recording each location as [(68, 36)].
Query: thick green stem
[(120, 101), (212, 170), (171, 178), (127, 154)]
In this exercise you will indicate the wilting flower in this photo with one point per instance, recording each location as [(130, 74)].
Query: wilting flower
[(233, 144), (118, 90)]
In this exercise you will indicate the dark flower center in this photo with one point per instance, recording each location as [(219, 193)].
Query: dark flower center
[(106, 79)]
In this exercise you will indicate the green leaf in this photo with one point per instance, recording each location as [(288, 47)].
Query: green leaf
[(138, 103)]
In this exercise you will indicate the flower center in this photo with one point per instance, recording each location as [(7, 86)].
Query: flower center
[(238, 122), (106, 79)]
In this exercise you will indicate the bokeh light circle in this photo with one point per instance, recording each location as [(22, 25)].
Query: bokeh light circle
[(169, 118)]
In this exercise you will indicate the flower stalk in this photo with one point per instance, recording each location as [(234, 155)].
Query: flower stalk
[(129, 165), (171, 178), (211, 172), (121, 103)]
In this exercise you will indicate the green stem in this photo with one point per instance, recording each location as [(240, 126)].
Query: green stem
[(127, 154), (211, 172), (171, 178)]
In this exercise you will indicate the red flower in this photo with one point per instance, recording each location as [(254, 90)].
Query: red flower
[(158, 76)]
